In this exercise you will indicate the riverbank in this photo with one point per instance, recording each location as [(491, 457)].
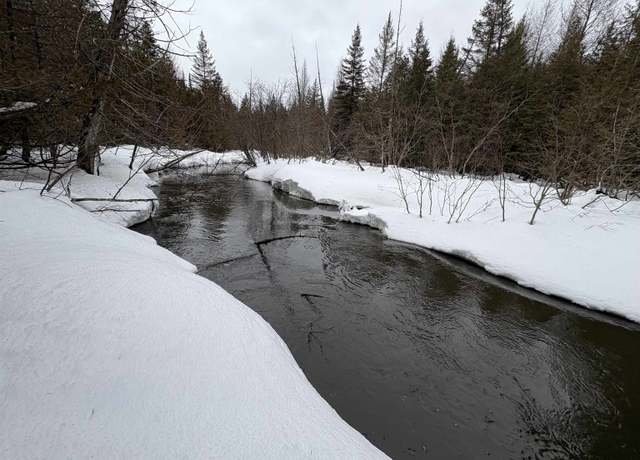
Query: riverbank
[(584, 252), (113, 347), (120, 192)]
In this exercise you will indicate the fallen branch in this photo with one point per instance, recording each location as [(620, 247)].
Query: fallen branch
[(228, 261), (50, 186), (115, 200), (173, 162), (280, 238)]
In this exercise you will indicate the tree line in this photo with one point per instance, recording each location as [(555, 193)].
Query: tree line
[(553, 96), (79, 74)]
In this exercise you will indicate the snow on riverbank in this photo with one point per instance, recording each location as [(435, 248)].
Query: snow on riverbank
[(590, 256), (150, 159), (111, 347), (119, 194)]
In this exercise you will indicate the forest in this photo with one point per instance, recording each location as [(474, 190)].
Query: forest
[(552, 97)]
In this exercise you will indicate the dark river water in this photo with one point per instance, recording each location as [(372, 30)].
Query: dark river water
[(425, 355)]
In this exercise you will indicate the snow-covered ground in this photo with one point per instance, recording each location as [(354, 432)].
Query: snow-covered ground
[(588, 255), (111, 347), (122, 195), (152, 159)]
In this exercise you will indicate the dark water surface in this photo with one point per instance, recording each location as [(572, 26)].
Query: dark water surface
[(427, 356)]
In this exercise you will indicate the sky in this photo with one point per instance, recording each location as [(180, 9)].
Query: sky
[(254, 37)]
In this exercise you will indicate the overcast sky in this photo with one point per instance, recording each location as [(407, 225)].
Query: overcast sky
[(254, 36)]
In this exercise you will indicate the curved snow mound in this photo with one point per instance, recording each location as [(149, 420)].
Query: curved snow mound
[(112, 348), (292, 188), (362, 217)]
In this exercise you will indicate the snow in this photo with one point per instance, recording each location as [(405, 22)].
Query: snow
[(589, 256), (18, 107), (111, 347), (114, 172), (155, 158), (134, 201)]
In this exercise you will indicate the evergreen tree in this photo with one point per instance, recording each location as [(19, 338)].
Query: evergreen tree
[(497, 91), (448, 96), (213, 104), (631, 33), (399, 70), (382, 61), (566, 66), (350, 88), (418, 84), (204, 75), (448, 69), (490, 31), (518, 88)]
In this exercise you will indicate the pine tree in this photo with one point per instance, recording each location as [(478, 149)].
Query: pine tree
[(382, 60), (609, 102), (418, 84), (204, 75), (449, 85), (631, 33), (448, 69), (351, 88), (211, 100), (490, 31), (566, 65), (399, 70), (496, 93), (518, 88), (449, 92)]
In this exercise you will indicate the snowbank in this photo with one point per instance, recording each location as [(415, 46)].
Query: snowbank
[(149, 159), (136, 202), (110, 347), (18, 107), (122, 195), (589, 256)]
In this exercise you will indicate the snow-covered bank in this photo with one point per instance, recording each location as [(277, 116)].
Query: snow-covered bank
[(110, 347), (121, 194), (153, 159), (590, 256)]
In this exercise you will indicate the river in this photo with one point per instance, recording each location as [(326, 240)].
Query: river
[(427, 356)]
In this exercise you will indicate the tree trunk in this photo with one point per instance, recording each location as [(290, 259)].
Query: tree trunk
[(101, 75), (133, 156), (26, 145), (12, 32), (88, 146)]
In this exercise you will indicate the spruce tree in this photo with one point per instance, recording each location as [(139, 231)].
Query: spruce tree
[(210, 100), (490, 31), (350, 88), (449, 103), (399, 73), (448, 84), (518, 87), (448, 69), (204, 74), (566, 65), (418, 84), (497, 92)]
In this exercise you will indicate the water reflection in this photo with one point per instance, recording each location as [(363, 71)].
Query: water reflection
[(427, 356)]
